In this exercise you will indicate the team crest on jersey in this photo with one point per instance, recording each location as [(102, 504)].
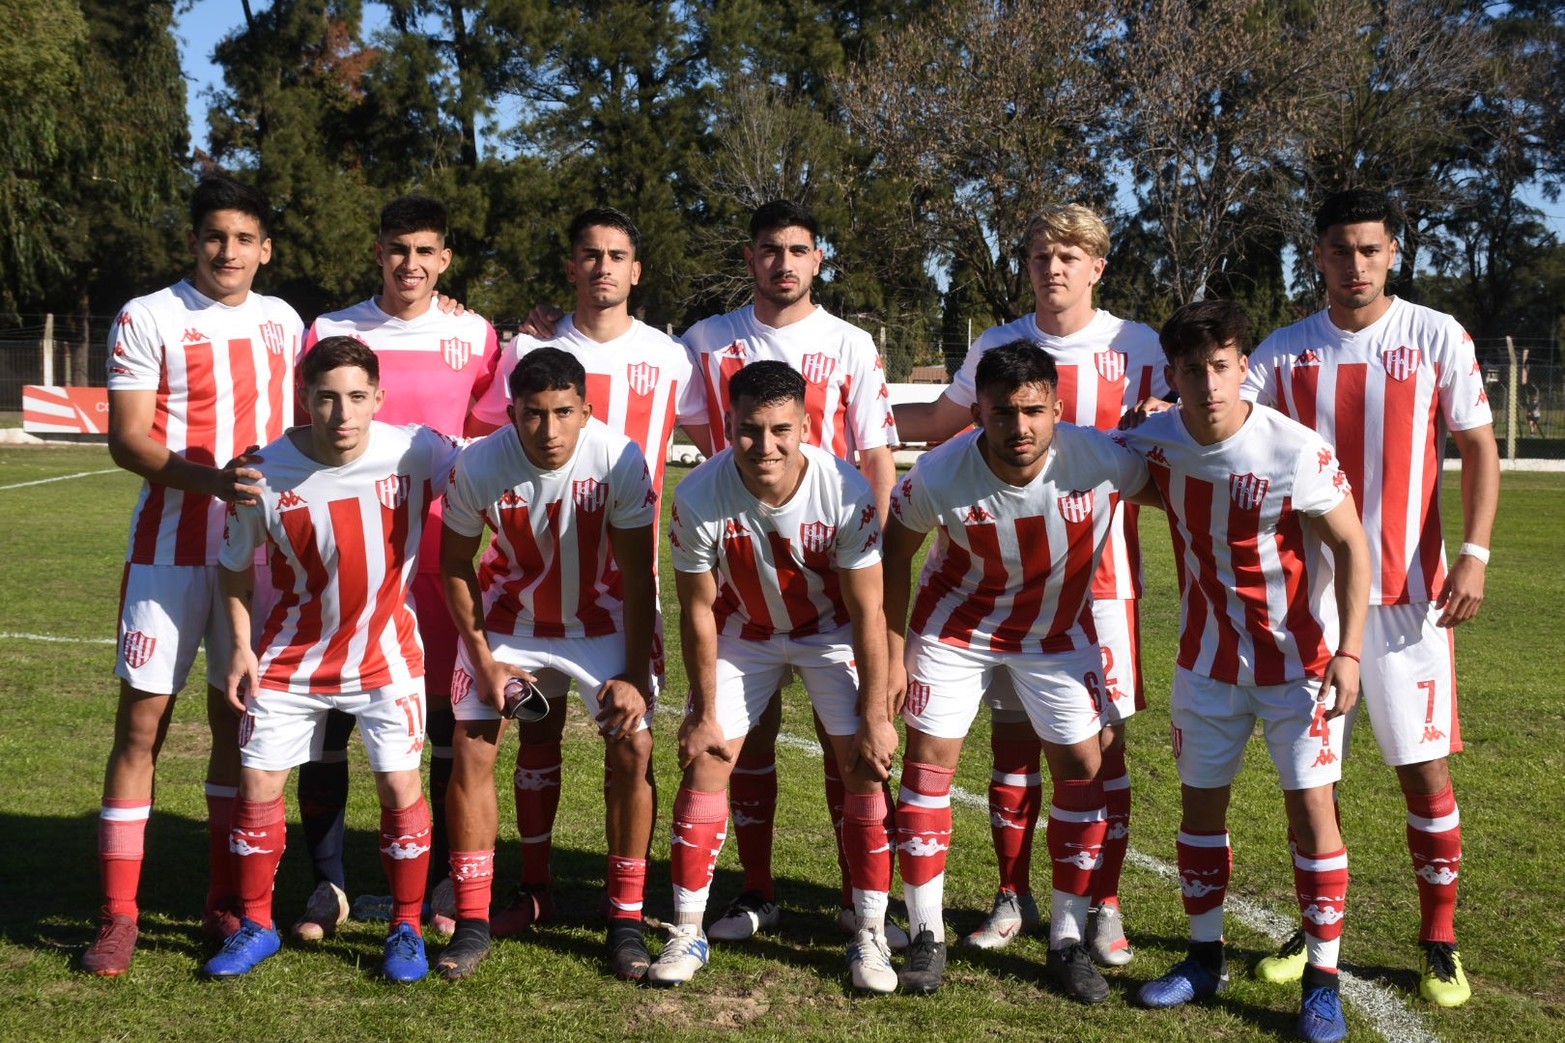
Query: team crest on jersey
[(1307, 357), (643, 377), (1248, 491), (1402, 362), (456, 352), (272, 337), (1110, 365), (817, 368), (816, 537), (461, 685), (392, 490), (590, 495), (917, 697), (137, 648), (1076, 507)]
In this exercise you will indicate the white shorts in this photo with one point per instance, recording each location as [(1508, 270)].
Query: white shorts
[(281, 729), (1213, 721), (555, 661), (1061, 693), (749, 673), (167, 612), (1119, 637), (1408, 678)]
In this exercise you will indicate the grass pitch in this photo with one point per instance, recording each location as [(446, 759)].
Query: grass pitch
[(61, 549)]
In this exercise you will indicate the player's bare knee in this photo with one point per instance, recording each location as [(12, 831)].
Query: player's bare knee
[(1425, 777)]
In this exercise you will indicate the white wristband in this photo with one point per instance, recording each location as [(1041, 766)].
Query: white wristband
[(1472, 550)]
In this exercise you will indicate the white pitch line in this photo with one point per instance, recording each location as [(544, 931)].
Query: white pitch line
[(61, 478), (59, 640), (1392, 1018)]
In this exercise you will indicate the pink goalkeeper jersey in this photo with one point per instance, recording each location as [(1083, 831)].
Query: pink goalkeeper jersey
[(341, 543), (1257, 605), (1105, 368), (224, 382), (777, 566), (550, 570), (1012, 565), (845, 381), (639, 384), (1385, 397)]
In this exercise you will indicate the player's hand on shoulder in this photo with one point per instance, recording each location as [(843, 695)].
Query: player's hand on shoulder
[(449, 305), (622, 704), (1462, 595), (235, 481), (1137, 413), (542, 320)]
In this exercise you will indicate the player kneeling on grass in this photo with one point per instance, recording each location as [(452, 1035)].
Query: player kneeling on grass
[(1023, 507), (1271, 628), (341, 511), (567, 592), (778, 566)]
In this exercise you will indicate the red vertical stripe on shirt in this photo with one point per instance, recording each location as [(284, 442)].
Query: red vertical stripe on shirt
[(1397, 452), (242, 371), (1111, 400), (353, 593), (1348, 433), (516, 525), (940, 583), (1302, 625), (594, 618), (1197, 516), (747, 587), (1032, 534), (839, 424), (1076, 580), (548, 594), (300, 532), (1430, 546), (1249, 575), (969, 615), (190, 540), (1306, 385)]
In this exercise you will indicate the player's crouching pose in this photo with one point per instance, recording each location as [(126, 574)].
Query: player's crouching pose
[(1023, 508), (567, 593), (778, 566), (1271, 628), (341, 511)]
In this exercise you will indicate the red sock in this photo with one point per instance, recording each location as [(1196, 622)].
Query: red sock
[(222, 889), (867, 843), (1434, 837), (404, 854), (1077, 822), (1116, 840), (1321, 883), (1205, 864), (257, 840), (472, 878), (694, 841), (122, 837), (923, 821), (752, 796), (537, 786), (1015, 801), (627, 881)]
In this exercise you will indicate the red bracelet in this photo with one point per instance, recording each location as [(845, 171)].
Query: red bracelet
[(1346, 655)]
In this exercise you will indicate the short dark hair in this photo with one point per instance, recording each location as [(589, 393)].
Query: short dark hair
[(547, 369), (332, 353), (1203, 326), (1003, 369), (766, 382), (220, 192), (1357, 206), (413, 213), (604, 217), (782, 213)]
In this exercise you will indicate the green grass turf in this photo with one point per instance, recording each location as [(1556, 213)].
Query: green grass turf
[(60, 552)]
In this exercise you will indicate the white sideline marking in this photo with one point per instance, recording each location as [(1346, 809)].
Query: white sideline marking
[(61, 478), (59, 640), (1391, 1018)]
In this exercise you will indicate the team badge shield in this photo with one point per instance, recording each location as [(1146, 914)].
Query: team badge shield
[(643, 378), (917, 697), (456, 352), (590, 494), (461, 685), (272, 337), (392, 490), (138, 648), (1248, 491), (1110, 365), (817, 368), (1076, 507), (816, 537), (1402, 362)]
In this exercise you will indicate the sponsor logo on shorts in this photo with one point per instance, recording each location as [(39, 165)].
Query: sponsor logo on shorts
[(461, 685), (272, 337), (817, 368), (1432, 734), (1076, 506), (1324, 758), (1110, 365), (1401, 362), (816, 537), (137, 648), (643, 378), (456, 352), (392, 490), (1248, 491), (917, 697), (590, 495)]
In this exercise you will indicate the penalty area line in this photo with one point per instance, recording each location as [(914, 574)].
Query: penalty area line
[(61, 478)]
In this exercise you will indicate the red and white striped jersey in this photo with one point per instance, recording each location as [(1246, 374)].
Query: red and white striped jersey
[(1257, 605), (639, 384), (550, 570), (431, 367), (1012, 565), (224, 381), (845, 380), (777, 566), (1105, 367), (341, 544), (1385, 397)]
